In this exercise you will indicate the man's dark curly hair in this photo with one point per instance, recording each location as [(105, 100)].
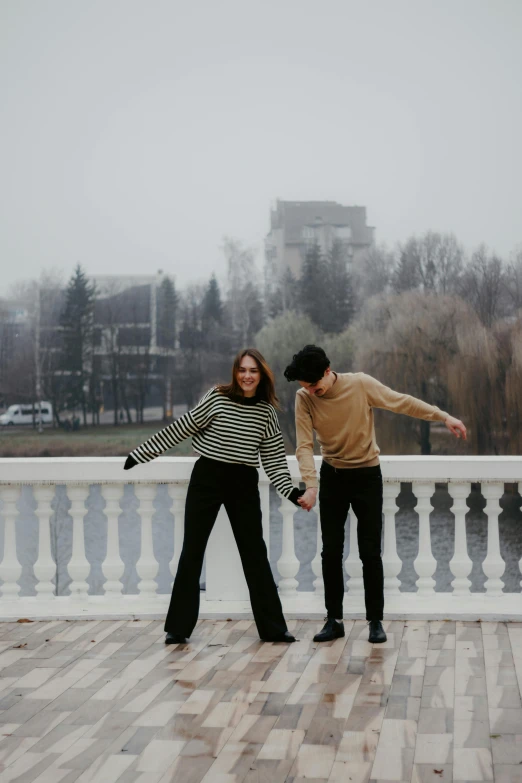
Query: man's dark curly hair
[(308, 365)]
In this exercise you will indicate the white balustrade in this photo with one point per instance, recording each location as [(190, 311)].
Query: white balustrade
[(353, 562), (78, 566), (460, 564), (178, 493), (10, 567), (493, 566), (113, 566), (226, 593), (317, 562), (425, 564), (392, 564), (45, 567), (288, 564), (147, 565)]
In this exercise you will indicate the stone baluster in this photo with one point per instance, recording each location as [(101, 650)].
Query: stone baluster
[(288, 564), (147, 566), (317, 562), (78, 567), (391, 561), (45, 567), (113, 566), (460, 564), (10, 567), (353, 563), (493, 566), (178, 493), (425, 564)]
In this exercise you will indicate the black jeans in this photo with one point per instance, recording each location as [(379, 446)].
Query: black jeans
[(212, 484), (360, 488)]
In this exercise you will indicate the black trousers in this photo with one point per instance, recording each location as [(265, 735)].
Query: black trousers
[(360, 488), (212, 484)]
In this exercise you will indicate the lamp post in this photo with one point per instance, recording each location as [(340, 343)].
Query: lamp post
[(38, 370)]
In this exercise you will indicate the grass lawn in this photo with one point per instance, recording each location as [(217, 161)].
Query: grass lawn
[(110, 441), (89, 442)]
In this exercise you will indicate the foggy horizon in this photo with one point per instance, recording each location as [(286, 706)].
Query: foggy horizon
[(136, 136)]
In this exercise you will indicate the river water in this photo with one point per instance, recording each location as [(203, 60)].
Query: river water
[(442, 533)]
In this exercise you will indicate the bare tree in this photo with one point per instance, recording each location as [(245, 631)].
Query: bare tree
[(243, 286), (483, 285), (432, 262), (407, 341), (474, 385), (513, 281), (278, 341), (372, 273)]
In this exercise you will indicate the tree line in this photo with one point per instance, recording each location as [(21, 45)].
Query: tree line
[(424, 318)]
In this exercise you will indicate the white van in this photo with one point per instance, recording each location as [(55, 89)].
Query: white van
[(23, 414)]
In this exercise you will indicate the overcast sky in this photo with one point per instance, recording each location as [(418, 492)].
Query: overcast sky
[(137, 133)]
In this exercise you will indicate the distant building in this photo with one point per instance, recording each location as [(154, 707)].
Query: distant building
[(295, 226)]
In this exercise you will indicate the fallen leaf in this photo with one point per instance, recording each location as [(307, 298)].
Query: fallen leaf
[(24, 620), (20, 646)]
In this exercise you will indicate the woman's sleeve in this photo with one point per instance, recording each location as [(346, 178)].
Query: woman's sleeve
[(273, 459), (188, 424)]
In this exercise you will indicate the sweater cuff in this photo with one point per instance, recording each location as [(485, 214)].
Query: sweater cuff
[(296, 493)]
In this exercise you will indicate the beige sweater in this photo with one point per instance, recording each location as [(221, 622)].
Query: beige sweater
[(343, 422)]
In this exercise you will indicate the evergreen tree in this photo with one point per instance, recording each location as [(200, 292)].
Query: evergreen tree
[(78, 325), (191, 344), (314, 286), (167, 310), (339, 296), (212, 307)]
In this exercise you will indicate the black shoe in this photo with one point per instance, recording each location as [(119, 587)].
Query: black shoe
[(331, 630), (377, 634), (286, 637), (175, 638)]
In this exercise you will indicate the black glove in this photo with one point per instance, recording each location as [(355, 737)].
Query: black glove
[(129, 463), (296, 493)]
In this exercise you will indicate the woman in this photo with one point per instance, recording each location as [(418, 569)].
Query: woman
[(232, 426)]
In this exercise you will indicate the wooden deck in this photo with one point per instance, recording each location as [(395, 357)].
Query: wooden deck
[(108, 701)]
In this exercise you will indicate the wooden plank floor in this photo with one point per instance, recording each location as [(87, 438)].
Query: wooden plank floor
[(106, 701)]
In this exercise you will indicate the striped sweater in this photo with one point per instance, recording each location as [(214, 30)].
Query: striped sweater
[(228, 431)]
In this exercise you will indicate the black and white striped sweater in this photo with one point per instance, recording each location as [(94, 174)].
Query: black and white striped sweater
[(229, 431)]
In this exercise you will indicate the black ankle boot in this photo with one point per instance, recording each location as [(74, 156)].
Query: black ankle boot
[(332, 630), (175, 638), (377, 633), (285, 637)]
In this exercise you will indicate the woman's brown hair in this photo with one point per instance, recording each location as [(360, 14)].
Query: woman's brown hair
[(266, 389)]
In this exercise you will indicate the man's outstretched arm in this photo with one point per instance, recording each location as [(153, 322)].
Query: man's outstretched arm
[(381, 396)]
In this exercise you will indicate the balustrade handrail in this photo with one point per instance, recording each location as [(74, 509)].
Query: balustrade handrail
[(104, 470)]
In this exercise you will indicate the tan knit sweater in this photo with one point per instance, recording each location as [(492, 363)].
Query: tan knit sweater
[(343, 422)]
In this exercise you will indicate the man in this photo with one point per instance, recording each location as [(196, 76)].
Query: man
[(339, 408)]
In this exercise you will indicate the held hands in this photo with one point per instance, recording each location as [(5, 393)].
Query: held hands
[(456, 427), (307, 501)]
